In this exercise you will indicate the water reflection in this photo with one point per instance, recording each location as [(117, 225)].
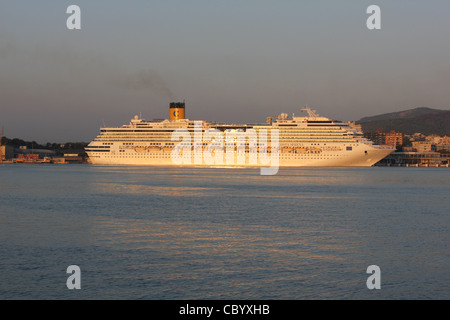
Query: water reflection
[(137, 189)]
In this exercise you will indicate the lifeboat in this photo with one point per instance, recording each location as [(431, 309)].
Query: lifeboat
[(301, 150), (315, 150), (287, 149), (140, 149)]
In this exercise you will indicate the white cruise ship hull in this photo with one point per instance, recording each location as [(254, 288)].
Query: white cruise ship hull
[(359, 156)]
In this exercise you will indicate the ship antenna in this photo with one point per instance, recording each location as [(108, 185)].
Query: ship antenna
[(311, 113)]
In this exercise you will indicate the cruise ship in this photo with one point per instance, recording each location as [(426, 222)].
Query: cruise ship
[(297, 141)]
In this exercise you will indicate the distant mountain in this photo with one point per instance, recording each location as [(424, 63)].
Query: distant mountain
[(424, 120)]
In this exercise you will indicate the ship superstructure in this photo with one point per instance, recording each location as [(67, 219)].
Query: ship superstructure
[(309, 140)]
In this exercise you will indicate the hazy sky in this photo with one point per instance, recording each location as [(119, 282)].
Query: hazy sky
[(232, 61)]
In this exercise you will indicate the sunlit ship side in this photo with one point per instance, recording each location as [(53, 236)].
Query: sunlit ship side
[(303, 141)]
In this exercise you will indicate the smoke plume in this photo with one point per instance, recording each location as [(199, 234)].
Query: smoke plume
[(145, 80)]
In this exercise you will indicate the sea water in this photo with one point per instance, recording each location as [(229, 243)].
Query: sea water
[(164, 233)]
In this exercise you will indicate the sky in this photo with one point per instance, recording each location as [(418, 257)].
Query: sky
[(231, 61)]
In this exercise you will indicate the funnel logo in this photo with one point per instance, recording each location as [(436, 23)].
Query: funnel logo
[(230, 147)]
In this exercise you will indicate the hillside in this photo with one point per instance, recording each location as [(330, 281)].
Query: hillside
[(424, 120)]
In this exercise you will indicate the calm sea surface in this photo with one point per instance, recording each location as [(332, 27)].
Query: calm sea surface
[(220, 233)]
